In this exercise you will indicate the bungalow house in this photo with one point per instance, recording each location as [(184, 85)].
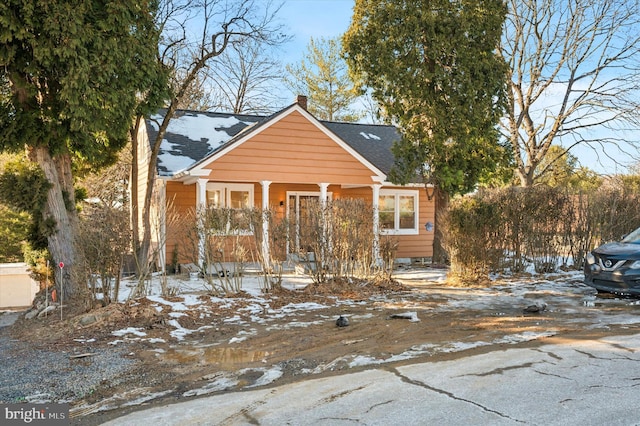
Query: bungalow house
[(282, 162)]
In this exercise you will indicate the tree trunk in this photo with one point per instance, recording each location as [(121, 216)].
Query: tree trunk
[(61, 209), (525, 176), (135, 208), (441, 204), (141, 215)]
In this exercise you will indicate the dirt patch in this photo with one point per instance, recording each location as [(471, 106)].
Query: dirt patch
[(241, 341)]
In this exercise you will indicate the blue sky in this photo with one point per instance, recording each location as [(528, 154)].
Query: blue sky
[(313, 18), (306, 19)]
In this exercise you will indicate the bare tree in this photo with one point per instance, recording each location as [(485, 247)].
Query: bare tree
[(198, 96), (243, 79), (104, 233), (574, 79), (219, 23)]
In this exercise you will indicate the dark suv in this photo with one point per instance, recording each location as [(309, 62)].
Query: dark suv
[(615, 267)]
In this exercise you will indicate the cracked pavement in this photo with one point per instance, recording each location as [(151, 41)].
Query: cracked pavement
[(586, 382)]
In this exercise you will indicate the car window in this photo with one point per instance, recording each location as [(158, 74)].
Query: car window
[(633, 237)]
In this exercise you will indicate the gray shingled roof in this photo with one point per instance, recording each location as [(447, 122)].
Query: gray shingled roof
[(193, 136), (372, 141)]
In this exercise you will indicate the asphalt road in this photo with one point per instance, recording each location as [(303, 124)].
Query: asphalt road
[(569, 382)]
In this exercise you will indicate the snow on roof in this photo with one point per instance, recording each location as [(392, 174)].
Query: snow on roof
[(370, 136), (191, 136)]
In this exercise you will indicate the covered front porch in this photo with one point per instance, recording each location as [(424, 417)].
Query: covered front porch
[(284, 201)]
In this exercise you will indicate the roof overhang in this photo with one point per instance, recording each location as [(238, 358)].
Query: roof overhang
[(188, 177)]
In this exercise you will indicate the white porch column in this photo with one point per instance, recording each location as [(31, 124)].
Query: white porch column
[(325, 234), (265, 223), (201, 206), (323, 193), (376, 225)]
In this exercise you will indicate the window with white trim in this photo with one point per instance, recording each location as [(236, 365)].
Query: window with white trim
[(230, 195), (234, 198), (398, 211)]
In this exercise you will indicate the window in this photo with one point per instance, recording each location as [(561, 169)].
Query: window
[(230, 195), (231, 198), (398, 211)]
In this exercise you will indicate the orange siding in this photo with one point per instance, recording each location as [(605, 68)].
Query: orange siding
[(182, 200), (420, 245), (291, 150)]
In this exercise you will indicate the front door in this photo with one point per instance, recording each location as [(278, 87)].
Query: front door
[(302, 213)]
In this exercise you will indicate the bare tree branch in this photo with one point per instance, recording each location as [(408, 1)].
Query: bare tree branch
[(218, 23), (574, 78)]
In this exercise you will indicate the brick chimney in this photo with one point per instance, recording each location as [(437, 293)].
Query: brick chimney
[(302, 101)]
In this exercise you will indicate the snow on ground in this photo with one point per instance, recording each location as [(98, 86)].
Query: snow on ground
[(565, 290), (429, 284)]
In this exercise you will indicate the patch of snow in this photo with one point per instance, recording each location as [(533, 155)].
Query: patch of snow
[(188, 300), (243, 335), (369, 136), (269, 376), (198, 127), (180, 332), (130, 330), (174, 163), (126, 399), (203, 127), (233, 320), (38, 398), (220, 384), (306, 306), (294, 324), (525, 336), (427, 349), (148, 397), (253, 308)]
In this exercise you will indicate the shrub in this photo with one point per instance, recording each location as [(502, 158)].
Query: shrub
[(14, 231), (508, 230)]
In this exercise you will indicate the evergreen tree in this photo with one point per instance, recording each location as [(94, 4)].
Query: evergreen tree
[(323, 77), (13, 233), (433, 68), (559, 168), (14, 225), (72, 73)]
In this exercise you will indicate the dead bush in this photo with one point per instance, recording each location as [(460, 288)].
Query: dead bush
[(103, 240), (214, 239), (337, 239), (510, 229)]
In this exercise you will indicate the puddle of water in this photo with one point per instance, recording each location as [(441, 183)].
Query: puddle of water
[(214, 355)]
